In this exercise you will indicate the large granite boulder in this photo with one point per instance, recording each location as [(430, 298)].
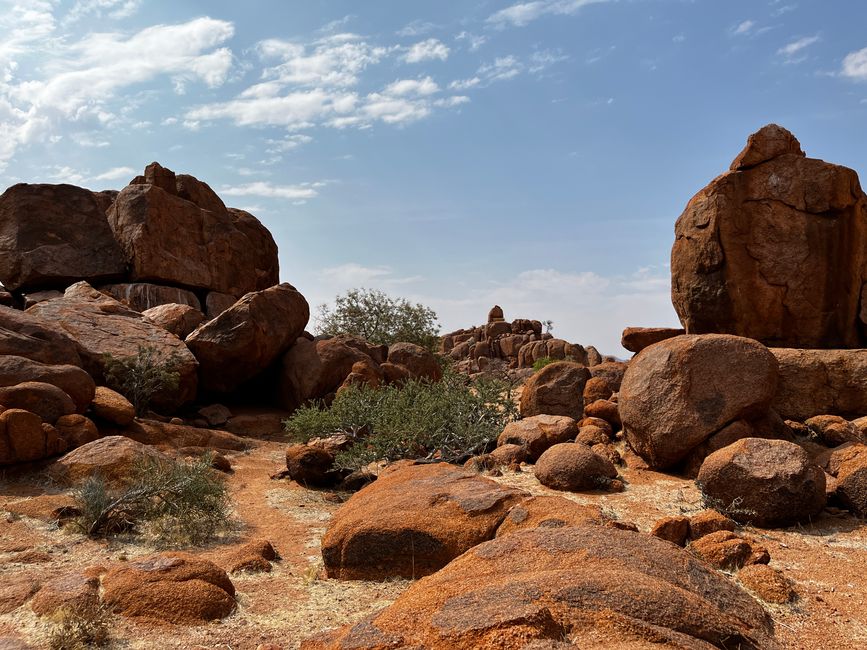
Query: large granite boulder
[(556, 389), (572, 587), (103, 326), (774, 250), (27, 335), (246, 338), (175, 230), (412, 521), (820, 382), (678, 393), (24, 437), (53, 235)]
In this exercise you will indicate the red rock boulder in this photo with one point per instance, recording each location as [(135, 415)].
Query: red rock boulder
[(556, 389), (537, 433)]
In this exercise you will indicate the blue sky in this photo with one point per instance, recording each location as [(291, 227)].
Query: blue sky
[(462, 154)]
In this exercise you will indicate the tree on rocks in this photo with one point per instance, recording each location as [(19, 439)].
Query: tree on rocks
[(379, 318)]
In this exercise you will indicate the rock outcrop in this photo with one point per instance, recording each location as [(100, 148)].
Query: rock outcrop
[(678, 393), (175, 230), (101, 325), (587, 586), (775, 249)]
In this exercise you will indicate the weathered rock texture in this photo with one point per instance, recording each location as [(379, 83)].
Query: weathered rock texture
[(587, 586), (244, 340), (678, 393), (144, 295), (53, 235), (820, 382), (556, 389), (413, 521), (101, 325), (775, 250), (175, 230), (27, 335)]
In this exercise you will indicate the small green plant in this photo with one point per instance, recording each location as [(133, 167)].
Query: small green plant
[(141, 377), (175, 503), (80, 626), (444, 420), (379, 318), (538, 364)]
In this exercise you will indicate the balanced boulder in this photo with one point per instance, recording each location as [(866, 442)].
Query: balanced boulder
[(45, 400), (678, 393), (412, 521), (180, 320), (774, 249), (765, 482), (635, 339), (537, 433), (574, 467)]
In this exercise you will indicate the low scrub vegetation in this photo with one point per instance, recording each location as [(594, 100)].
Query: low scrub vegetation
[(173, 503), (445, 420), (80, 626), (538, 364), (141, 377)]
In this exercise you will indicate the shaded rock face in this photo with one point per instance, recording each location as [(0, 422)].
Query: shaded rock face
[(765, 482), (45, 400), (28, 335), (176, 230), (72, 380), (820, 382), (141, 296), (246, 338), (587, 586), (557, 389), (53, 235), (775, 249), (180, 320), (678, 393), (635, 339), (169, 587), (413, 521), (537, 433), (23, 438), (101, 325)]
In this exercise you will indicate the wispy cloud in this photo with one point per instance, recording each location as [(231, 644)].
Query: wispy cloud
[(791, 51), (301, 191), (521, 14), (474, 41), (416, 28), (115, 173), (743, 28)]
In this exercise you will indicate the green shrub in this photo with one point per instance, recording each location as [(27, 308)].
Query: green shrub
[(538, 364), (379, 318), (447, 419), (175, 503), (141, 377)]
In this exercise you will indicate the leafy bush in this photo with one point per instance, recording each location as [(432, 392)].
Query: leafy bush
[(538, 364), (80, 626), (174, 502), (379, 318), (420, 420), (141, 377)]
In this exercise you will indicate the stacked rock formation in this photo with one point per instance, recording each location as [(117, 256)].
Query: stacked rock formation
[(518, 344)]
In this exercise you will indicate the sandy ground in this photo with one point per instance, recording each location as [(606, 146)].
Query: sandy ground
[(826, 560)]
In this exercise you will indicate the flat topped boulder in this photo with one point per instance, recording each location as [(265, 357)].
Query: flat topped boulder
[(585, 586), (53, 235), (775, 249), (103, 326), (412, 521), (678, 393), (175, 230)]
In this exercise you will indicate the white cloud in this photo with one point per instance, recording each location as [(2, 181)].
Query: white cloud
[(522, 14), (81, 81), (791, 50), (465, 84), (288, 143), (543, 59), (743, 28), (505, 67), (855, 65), (428, 50), (264, 189), (426, 86), (116, 9)]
